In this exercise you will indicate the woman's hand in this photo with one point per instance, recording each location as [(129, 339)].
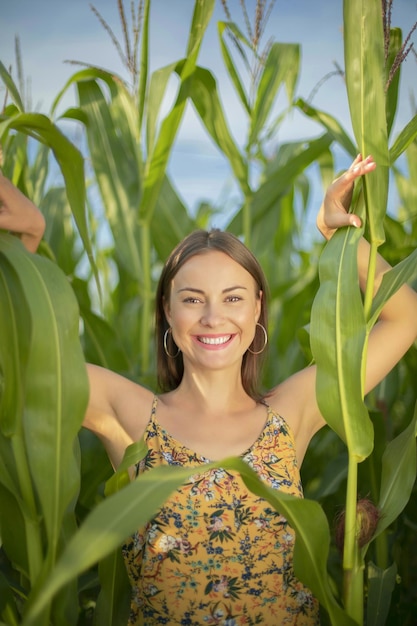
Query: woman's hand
[(334, 210), (20, 216)]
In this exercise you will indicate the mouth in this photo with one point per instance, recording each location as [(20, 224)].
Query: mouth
[(214, 341)]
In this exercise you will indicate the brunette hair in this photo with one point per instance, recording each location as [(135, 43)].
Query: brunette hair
[(170, 369)]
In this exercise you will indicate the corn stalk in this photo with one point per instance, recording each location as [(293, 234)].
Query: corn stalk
[(341, 357)]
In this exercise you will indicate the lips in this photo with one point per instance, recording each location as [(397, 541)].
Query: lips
[(214, 341)]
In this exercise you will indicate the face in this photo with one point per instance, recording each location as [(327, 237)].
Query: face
[(213, 309)]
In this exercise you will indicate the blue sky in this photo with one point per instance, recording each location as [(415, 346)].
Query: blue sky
[(52, 31)]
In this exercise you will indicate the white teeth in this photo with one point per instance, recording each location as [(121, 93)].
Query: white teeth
[(214, 341)]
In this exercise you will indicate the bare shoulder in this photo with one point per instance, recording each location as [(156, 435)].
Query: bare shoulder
[(295, 400), (118, 410)]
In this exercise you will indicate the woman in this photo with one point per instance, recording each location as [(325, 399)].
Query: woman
[(215, 553)]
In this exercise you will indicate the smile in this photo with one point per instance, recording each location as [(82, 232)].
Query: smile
[(214, 341)]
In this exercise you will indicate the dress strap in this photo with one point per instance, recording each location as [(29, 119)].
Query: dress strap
[(154, 405)]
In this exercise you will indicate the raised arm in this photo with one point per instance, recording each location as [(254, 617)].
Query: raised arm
[(396, 329), (20, 216), (118, 409), (390, 338)]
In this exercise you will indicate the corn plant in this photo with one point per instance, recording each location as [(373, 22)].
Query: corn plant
[(129, 145), (340, 380)]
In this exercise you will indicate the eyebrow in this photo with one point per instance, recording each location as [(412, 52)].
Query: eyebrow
[(227, 290)]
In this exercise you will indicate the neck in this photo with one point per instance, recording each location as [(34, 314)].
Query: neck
[(213, 391)]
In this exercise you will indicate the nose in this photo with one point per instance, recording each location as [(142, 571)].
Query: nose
[(212, 315)]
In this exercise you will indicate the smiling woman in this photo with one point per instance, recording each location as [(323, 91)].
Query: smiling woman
[(247, 272), (216, 553)]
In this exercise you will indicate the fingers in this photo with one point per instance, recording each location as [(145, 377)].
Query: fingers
[(340, 191), (335, 210), (354, 220), (342, 186), (360, 167), (19, 215), (341, 218)]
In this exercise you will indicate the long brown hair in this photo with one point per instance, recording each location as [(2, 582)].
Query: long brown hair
[(170, 369)]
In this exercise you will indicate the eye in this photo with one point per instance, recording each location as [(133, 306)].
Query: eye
[(233, 299), (191, 300)]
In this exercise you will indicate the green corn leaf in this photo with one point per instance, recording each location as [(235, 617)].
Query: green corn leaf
[(117, 517), (102, 344), (36, 177), (157, 90), (403, 272), (311, 549), (125, 115), (337, 341), (8, 609), (104, 530), (399, 465), (54, 404), (281, 67), (113, 136), (171, 212), (15, 346), (401, 238), (403, 140), (157, 161), (113, 602), (89, 73), (206, 100), (282, 172), (279, 177), (133, 454), (326, 165), (240, 42), (95, 470), (11, 87), (381, 584), (144, 63), (18, 497), (365, 81), (59, 233), (16, 520), (70, 161), (115, 162), (331, 124), (222, 28), (15, 147), (203, 11), (395, 43)]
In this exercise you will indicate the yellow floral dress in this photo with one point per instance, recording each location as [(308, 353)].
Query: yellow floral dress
[(216, 554)]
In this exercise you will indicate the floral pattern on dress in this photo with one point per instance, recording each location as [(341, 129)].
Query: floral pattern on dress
[(217, 554)]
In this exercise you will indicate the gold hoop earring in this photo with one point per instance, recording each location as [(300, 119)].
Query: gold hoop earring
[(166, 333), (265, 340)]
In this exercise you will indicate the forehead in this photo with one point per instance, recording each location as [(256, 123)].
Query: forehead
[(213, 267)]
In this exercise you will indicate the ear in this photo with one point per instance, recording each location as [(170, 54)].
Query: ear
[(258, 305), (167, 309)]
